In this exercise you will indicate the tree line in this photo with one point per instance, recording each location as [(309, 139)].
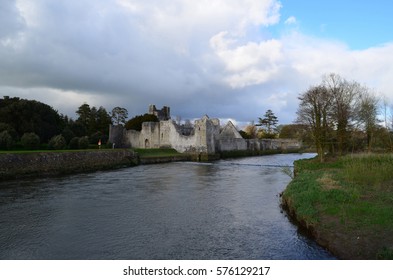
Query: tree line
[(30, 124), (335, 117), (343, 116)]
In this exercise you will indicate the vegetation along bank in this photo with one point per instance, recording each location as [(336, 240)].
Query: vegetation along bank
[(346, 204)]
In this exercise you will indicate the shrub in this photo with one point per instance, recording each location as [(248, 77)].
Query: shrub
[(30, 141), (68, 134), (74, 143), (6, 140), (57, 142), (83, 142)]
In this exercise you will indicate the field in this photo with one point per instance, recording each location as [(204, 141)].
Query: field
[(346, 204)]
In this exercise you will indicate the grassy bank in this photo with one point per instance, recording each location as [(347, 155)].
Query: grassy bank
[(149, 153), (346, 204)]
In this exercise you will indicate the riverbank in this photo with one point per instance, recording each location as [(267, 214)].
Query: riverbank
[(345, 204), (15, 165), (27, 164), (153, 156)]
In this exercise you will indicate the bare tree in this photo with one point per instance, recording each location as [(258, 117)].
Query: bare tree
[(344, 96), (119, 115), (367, 114), (251, 130), (315, 111)]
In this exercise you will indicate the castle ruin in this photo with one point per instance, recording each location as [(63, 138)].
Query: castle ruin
[(205, 136)]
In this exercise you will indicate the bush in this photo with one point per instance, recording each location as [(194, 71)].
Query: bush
[(30, 141), (6, 140), (83, 142), (74, 143), (57, 142), (68, 134)]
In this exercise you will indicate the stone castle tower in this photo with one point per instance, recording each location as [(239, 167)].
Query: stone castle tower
[(163, 115)]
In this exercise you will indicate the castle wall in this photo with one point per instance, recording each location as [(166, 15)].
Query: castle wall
[(173, 138), (232, 144), (206, 137), (132, 138), (207, 132)]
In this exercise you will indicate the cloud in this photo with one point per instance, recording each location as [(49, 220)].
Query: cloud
[(211, 57), (248, 64), (291, 20), (10, 21)]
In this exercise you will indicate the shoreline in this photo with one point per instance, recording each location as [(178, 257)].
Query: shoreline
[(351, 219), (24, 165), (33, 164)]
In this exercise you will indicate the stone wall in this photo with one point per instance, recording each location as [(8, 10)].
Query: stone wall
[(166, 134), (15, 165), (206, 137)]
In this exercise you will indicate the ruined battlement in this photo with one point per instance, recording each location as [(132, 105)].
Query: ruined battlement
[(163, 115)]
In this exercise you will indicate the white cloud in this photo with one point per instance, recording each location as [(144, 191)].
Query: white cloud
[(291, 20), (248, 64)]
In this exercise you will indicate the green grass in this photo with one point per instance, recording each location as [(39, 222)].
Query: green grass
[(146, 153), (348, 195), (368, 170)]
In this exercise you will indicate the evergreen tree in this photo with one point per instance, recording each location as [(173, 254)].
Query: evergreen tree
[(269, 124)]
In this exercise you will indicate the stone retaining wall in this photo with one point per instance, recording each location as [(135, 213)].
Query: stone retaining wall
[(15, 165)]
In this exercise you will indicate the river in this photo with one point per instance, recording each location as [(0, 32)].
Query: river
[(228, 209)]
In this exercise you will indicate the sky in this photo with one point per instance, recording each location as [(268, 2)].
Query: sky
[(229, 59)]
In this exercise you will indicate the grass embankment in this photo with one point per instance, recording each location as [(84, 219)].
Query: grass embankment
[(149, 153), (346, 204)]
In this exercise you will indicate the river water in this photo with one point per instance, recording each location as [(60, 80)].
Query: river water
[(228, 209)]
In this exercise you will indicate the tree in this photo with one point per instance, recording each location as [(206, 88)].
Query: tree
[(315, 111), (119, 115), (103, 120), (84, 113), (269, 124), (30, 116), (57, 142), (30, 140), (83, 142), (367, 114), (68, 134), (295, 131), (74, 143), (250, 131), (344, 95), (136, 122), (6, 141)]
